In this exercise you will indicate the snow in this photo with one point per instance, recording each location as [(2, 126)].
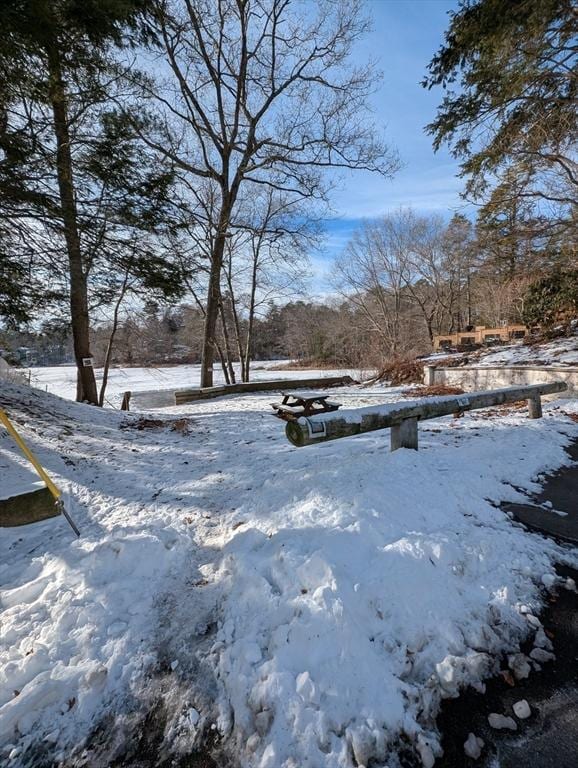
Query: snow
[(311, 605), (473, 746), (501, 722), (558, 352), (522, 709), (61, 379)]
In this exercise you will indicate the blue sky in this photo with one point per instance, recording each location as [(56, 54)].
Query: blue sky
[(406, 33)]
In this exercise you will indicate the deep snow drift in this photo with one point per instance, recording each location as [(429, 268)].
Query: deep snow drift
[(310, 605)]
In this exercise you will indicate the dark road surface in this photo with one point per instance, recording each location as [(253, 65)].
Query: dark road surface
[(561, 491), (549, 737)]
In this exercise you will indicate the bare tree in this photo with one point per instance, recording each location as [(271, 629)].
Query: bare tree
[(406, 272), (262, 93), (372, 275), (265, 261)]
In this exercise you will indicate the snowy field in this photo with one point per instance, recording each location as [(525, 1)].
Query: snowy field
[(61, 379), (307, 608)]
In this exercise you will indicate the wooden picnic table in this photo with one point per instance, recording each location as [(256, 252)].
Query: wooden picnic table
[(297, 404)]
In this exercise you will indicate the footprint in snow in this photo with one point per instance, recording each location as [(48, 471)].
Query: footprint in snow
[(117, 628)]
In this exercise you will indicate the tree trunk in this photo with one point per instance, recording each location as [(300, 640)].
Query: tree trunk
[(223, 363), (107, 359), (239, 341), (251, 320), (78, 282), (213, 301), (430, 333), (110, 345), (236, 323), (469, 298), (227, 343)]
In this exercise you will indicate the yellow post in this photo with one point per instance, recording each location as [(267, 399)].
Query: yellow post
[(56, 493), (29, 455)]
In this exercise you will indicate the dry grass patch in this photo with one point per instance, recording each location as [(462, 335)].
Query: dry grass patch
[(182, 425), (435, 389), (313, 365), (400, 372)]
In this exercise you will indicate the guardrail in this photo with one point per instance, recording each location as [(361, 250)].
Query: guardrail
[(403, 417), (168, 397)]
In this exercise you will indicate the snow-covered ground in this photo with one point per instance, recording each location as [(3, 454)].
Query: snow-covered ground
[(563, 351), (310, 606), (61, 379), (556, 352)]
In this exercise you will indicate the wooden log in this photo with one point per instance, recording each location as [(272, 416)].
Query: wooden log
[(26, 508), (404, 435), (198, 393), (316, 429), (160, 398)]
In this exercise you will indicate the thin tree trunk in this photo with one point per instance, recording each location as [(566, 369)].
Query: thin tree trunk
[(430, 333), (469, 298), (239, 341), (110, 345), (251, 321), (227, 343), (223, 363), (77, 276), (236, 323)]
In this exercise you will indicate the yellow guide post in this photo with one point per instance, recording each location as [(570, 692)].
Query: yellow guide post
[(56, 493)]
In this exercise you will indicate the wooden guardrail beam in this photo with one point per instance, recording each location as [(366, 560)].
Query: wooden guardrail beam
[(319, 382), (402, 417), (159, 398)]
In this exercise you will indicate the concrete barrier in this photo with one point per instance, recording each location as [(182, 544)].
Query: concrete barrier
[(475, 377)]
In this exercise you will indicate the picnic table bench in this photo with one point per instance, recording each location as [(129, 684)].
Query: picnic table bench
[(297, 404)]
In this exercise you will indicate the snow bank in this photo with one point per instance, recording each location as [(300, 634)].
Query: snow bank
[(371, 586), (556, 352), (76, 613), (334, 593), (563, 351)]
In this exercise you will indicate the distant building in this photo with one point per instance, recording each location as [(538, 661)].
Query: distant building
[(479, 336), (27, 355)]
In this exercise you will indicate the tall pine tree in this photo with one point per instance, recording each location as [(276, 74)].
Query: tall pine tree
[(57, 63)]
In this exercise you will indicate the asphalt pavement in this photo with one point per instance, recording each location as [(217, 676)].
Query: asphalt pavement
[(549, 737)]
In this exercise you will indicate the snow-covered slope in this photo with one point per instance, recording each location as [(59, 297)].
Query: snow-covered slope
[(556, 352), (309, 605), (562, 351)]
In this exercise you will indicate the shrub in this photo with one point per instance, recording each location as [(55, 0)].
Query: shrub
[(551, 300), (399, 372)]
